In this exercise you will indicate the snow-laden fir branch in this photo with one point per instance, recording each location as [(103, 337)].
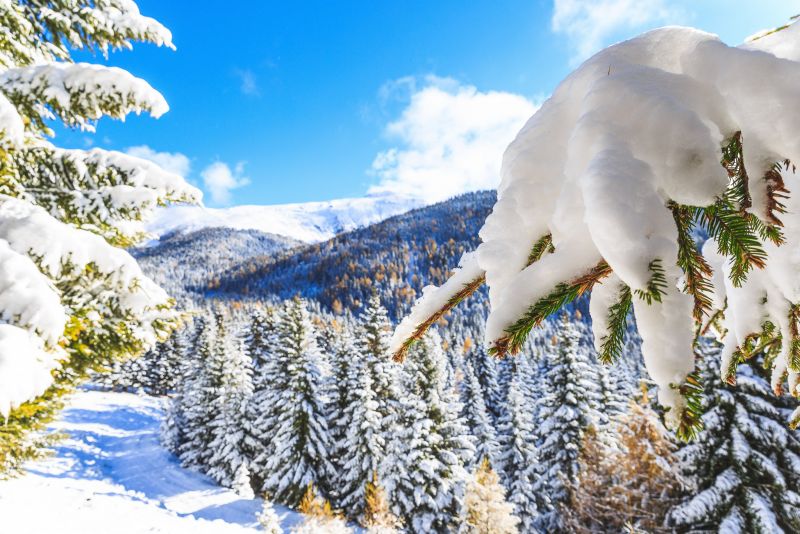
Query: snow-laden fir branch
[(618, 167)]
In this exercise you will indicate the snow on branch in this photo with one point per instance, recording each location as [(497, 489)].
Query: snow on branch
[(642, 144), (78, 93)]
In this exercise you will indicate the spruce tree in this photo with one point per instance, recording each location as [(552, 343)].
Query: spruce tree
[(565, 412), (372, 343), (518, 457), (486, 371), (743, 468), (72, 300), (260, 342), (424, 474), (477, 419), (364, 446), (297, 421), (343, 388), (232, 374), (201, 406)]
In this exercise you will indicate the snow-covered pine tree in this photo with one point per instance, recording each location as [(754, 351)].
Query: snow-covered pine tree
[(372, 343), (744, 466), (343, 388), (424, 473), (364, 446), (162, 369), (518, 454), (486, 371), (565, 411), (297, 424), (477, 419), (260, 342), (231, 374), (198, 401), (259, 338), (610, 206), (63, 213), (175, 425), (268, 519), (488, 512)]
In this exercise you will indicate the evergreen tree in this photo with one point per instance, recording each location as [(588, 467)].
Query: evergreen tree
[(488, 512), (72, 300), (196, 400), (364, 446), (744, 466), (486, 371), (565, 411), (297, 420), (518, 448), (477, 419), (344, 388), (268, 520), (424, 470), (230, 370), (372, 343), (260, 343)]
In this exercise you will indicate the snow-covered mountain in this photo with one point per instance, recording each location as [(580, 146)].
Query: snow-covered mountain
[(311, 222)]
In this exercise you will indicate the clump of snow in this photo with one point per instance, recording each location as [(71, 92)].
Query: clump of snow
[(638, 125), (24, 367), (61, 83)]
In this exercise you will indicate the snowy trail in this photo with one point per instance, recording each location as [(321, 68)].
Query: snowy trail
[(111, 475)]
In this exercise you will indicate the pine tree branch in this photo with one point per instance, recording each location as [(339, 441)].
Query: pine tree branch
[(562, 294), (733, 232), (657, 284), (613, 343), (692, 262), (691, 422), (542, 246), (468, 289)]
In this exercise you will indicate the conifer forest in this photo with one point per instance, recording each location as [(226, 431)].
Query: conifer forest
[(486, 268)]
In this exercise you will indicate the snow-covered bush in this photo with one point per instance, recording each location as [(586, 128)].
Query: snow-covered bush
[(606, 186), (70, 300)]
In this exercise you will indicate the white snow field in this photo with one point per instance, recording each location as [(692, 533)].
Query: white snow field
[(310, 222), (111, 475)]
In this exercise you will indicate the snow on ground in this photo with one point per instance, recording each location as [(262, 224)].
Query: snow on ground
[(310, 222), (111, 475)]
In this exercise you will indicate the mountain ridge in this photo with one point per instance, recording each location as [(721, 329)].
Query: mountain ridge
[(309, 222)]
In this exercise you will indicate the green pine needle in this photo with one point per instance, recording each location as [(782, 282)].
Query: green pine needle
[(613, 344), (656, 286)]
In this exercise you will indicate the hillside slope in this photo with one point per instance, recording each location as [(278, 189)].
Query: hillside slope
[(191, 263), (396, 257)]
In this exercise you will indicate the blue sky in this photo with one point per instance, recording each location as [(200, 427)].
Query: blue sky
[(275, 102)]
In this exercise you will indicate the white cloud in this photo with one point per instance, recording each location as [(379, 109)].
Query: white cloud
[(451, 139), (589, 24), (247, 82), (219, 180), (169, 161)]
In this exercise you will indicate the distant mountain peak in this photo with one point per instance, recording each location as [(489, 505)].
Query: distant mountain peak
[(310, 222)]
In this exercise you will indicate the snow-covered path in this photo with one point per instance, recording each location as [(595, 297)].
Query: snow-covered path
[(112, 476)]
